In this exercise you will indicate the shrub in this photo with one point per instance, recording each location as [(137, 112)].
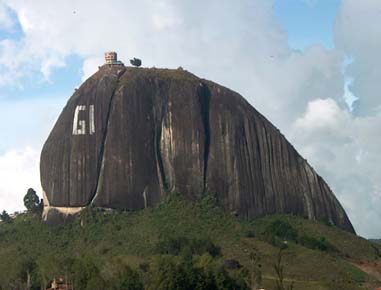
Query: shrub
[(248, 234), (185, 276), (316, 244), (279, 231), (4, 216), (175, 246), (128, 279)]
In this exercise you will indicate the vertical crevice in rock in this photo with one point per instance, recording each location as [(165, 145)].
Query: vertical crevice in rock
[(308, 195), (322, 196), (204, 99), (145, 197), (159, 158), (267, 162), (260, 169), (100, 164), (248, 173), (158, 112)]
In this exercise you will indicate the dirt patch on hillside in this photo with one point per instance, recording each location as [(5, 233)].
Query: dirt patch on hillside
[(373, 268)]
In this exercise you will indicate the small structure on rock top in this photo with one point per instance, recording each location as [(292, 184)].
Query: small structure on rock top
[(111, 58)]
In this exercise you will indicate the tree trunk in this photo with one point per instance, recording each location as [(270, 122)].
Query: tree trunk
[(27, 280)]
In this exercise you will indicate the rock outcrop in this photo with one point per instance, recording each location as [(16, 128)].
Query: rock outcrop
[(129, 136)]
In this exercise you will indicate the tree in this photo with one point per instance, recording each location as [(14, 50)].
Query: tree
[(128, 279), (4, 216), (85, 274), (32, 202), (136, 62), (28, 273), (279, 270), (255, 269), (182, 274)]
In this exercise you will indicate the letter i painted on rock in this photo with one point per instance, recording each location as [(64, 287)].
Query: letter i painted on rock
[(91, 120), (79, 126)]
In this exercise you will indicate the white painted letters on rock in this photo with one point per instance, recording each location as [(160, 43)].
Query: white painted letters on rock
[(79, 126)]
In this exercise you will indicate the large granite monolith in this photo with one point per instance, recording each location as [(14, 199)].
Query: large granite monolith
[(129, 136)]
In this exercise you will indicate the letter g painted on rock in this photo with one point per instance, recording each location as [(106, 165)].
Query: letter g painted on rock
[(79, 126)]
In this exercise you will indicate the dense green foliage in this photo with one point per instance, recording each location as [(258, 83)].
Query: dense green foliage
[(179, 243), (175, 246), (32, 202), (4, 216), (280, 232), (184, 275)]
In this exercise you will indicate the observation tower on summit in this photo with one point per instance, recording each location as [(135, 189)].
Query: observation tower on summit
[(111, 58)]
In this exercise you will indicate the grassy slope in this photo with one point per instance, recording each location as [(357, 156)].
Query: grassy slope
[(132, 236)]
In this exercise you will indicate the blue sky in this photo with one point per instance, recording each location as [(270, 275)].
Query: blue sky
[(308, 22), (285, 56)]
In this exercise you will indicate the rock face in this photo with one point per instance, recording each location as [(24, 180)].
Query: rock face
[(128, 137)]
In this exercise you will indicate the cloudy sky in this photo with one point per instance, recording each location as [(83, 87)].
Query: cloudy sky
[(311, 66)]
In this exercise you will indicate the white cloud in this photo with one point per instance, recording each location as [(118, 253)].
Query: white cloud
[(24, 126), (165, 17), (6, 21), (357, 33), (345, 151), (51, 62), (10, 62), (324, 115), (343, 144), (90, 66), (19, 171), (241, 46)]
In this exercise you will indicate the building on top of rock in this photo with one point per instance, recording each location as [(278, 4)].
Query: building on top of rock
[(111, 58)]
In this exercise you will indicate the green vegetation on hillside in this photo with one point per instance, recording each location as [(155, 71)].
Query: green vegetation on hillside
[(182, 243)]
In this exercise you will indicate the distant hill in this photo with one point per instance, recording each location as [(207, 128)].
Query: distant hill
[(147, 243), (377, 241)]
